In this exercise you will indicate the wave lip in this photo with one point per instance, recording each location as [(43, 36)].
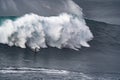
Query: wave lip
[(63, 31)]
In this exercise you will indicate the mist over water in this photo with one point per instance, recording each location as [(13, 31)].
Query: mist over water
[(40, 7)]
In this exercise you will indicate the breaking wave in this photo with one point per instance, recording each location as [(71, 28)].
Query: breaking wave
[(34, 31)]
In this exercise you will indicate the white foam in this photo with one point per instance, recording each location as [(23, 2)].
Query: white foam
[(33, 70), (41, 7), (63, 31)]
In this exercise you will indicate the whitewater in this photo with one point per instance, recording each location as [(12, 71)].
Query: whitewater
[(66, 30)]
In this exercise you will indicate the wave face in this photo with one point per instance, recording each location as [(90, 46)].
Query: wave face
[(67, 30)]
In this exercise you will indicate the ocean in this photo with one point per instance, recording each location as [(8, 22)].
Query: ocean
[(99, 62), (52, 40)]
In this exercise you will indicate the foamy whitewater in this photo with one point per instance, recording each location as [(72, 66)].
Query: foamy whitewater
[(67, 30)]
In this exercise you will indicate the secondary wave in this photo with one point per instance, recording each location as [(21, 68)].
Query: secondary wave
[(58, 74)]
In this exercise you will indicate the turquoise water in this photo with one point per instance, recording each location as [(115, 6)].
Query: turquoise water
[(3, 18)]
